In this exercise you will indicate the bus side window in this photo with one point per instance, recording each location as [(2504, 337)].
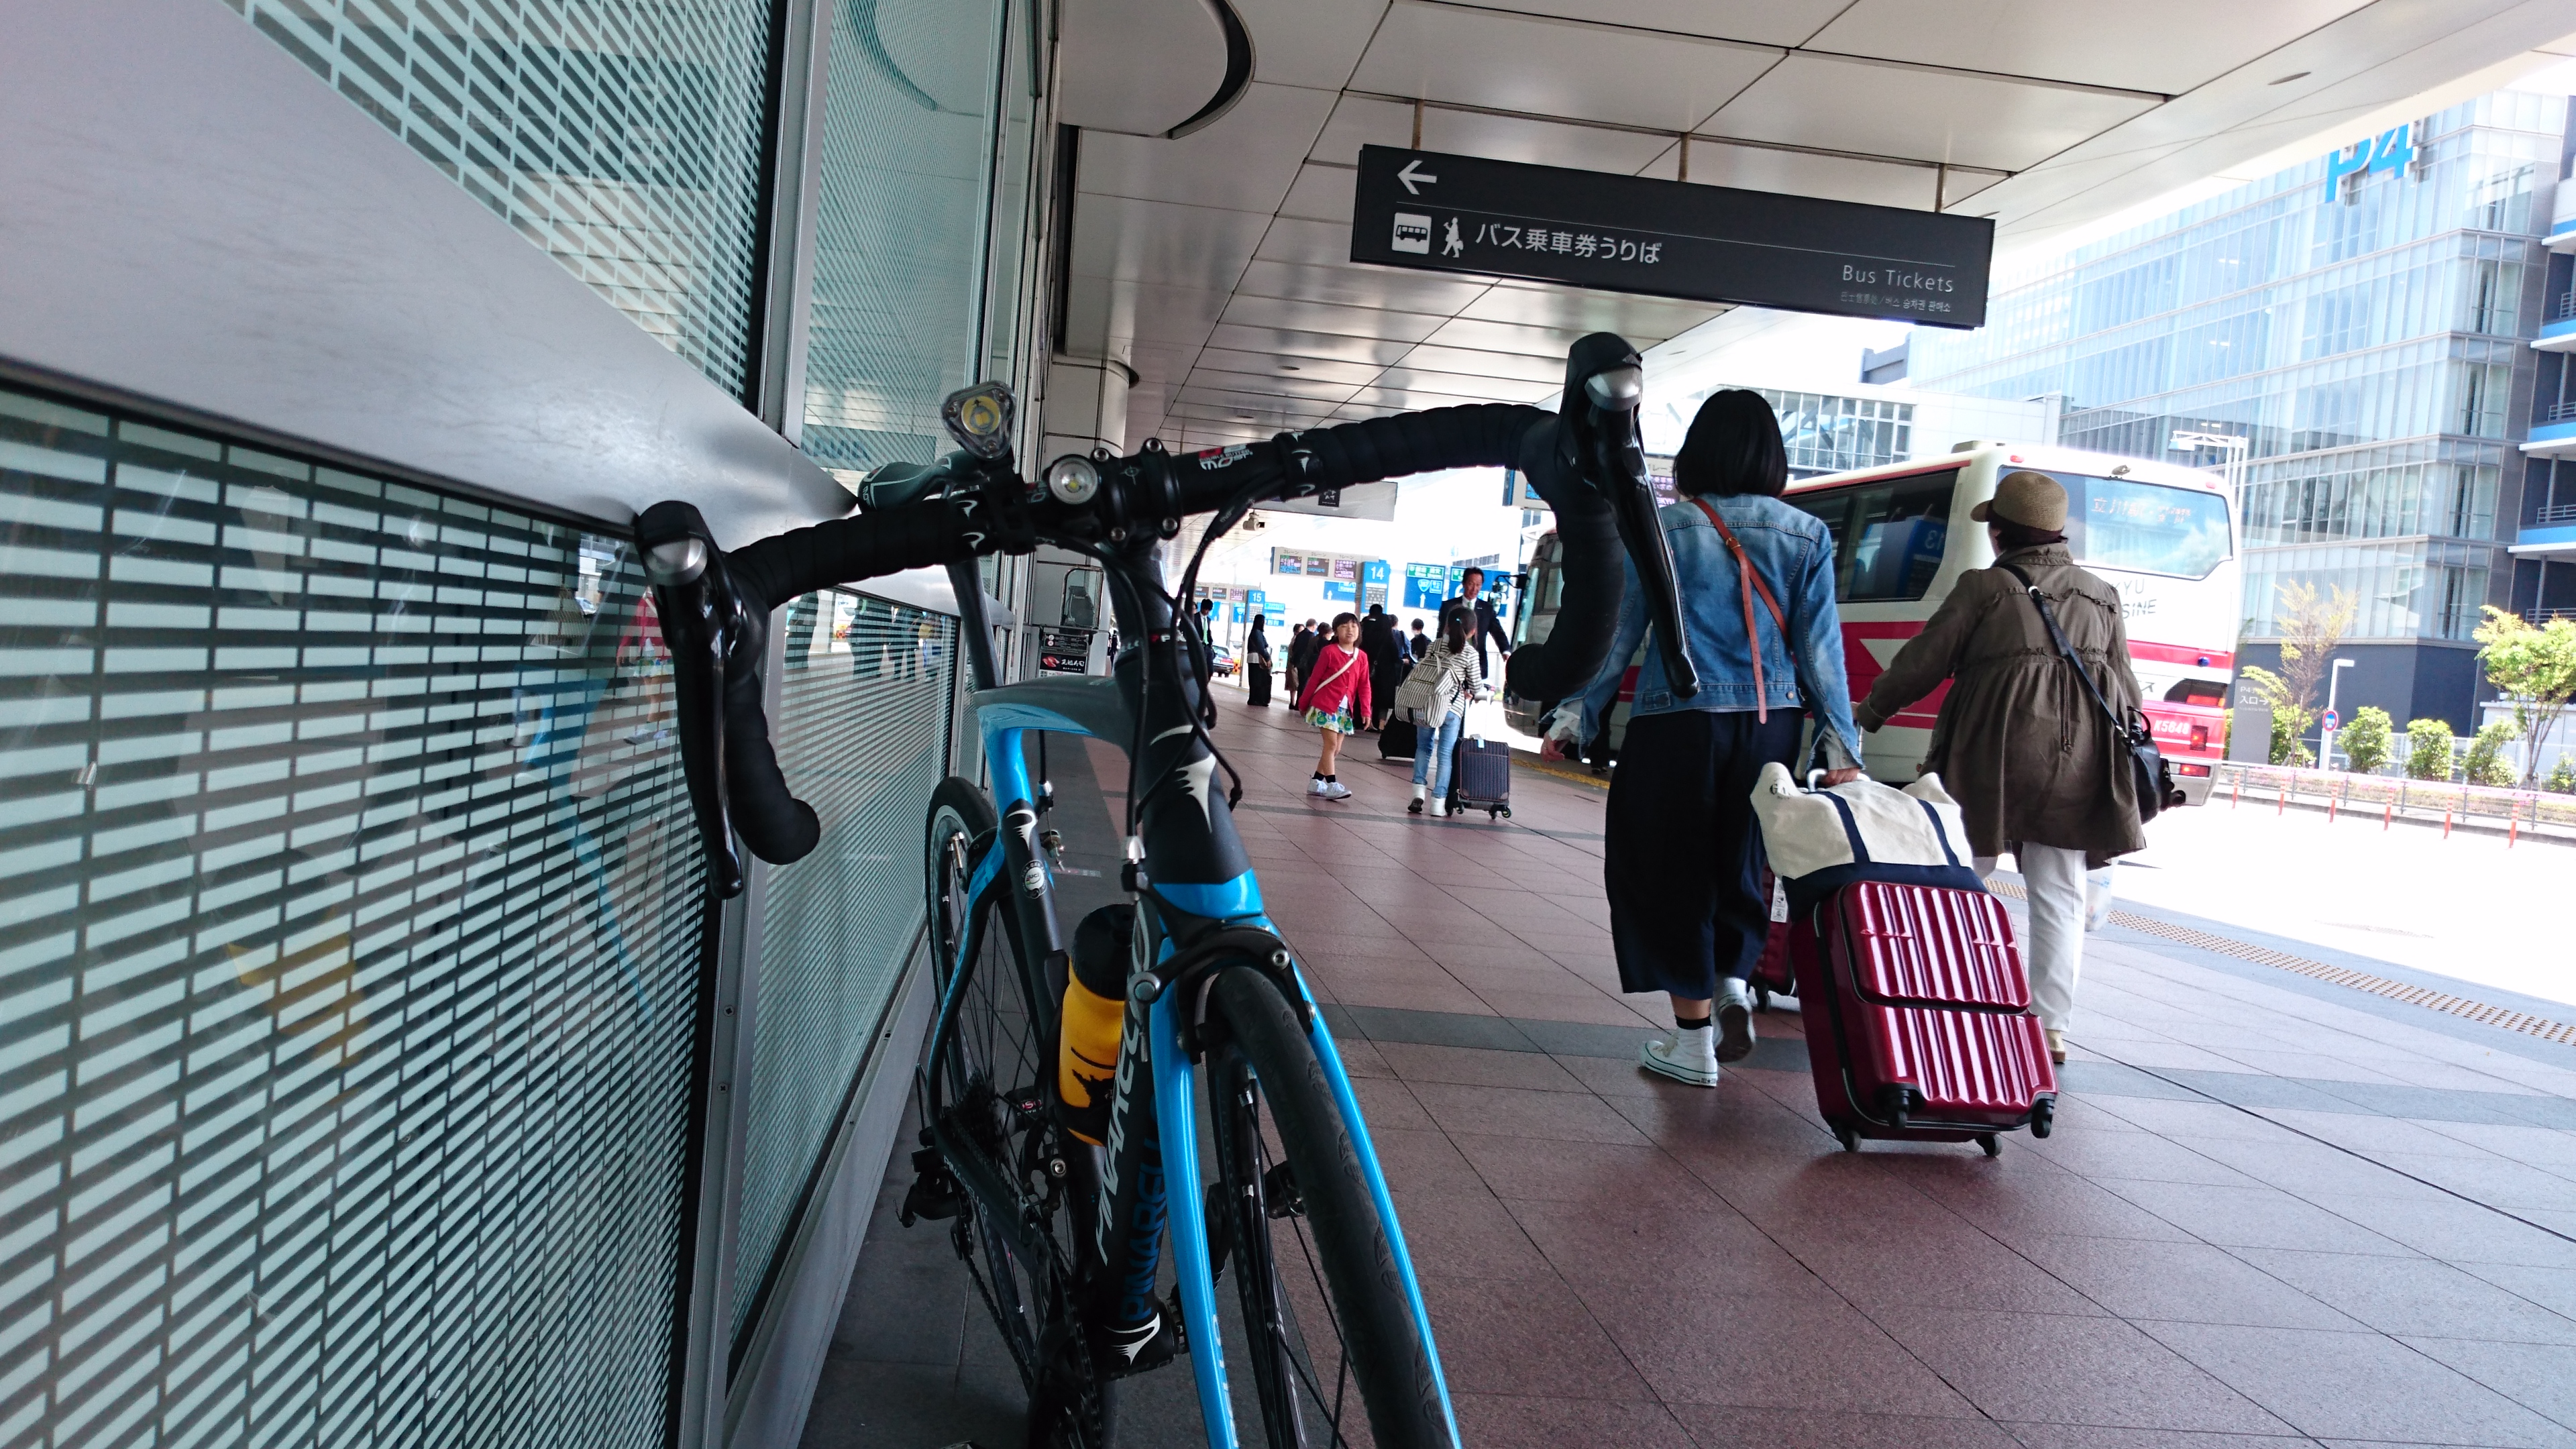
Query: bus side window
[(1834, 508), (1893, 543)]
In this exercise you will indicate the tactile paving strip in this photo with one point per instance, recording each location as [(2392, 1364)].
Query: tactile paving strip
[(2442, 1001)]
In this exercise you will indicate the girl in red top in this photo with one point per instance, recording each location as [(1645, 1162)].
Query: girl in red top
[(1335, 698)]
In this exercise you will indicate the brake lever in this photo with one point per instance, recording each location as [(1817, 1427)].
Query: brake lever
[(1615, 461), (701, 620)]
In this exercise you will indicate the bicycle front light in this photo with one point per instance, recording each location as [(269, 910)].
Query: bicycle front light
[(1073, 478)]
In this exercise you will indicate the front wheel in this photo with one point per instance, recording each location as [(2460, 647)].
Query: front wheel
[(1324, 1304)]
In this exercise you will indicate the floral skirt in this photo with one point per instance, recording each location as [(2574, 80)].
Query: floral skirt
[(1339, 721)]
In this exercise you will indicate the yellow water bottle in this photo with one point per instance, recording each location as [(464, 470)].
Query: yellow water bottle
[(1095, 1010)]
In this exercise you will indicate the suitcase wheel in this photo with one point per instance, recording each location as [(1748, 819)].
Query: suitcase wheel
[(2043, 1116), (1987, 1140), (1847, 1137)]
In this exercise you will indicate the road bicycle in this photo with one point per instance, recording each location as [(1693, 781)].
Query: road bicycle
[(1060, 1208)]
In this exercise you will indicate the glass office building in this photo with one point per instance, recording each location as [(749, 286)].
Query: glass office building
[(2362, 322)]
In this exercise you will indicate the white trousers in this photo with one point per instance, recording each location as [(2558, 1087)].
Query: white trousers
[(2054, 954)]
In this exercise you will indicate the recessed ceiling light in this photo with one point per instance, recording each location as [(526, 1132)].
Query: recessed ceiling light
[(2294, 75)]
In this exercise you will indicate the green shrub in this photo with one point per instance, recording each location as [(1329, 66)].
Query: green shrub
[(2428, 749), (2486, 764), (2562, 776), (2366, 740), (2287, 747)]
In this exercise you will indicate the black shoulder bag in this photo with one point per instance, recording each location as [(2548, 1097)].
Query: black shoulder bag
[(2147, 767)]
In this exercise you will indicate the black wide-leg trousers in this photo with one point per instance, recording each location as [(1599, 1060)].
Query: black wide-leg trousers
[(1682, 862)]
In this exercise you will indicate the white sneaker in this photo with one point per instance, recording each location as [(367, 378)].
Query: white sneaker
[(1734, 1021), (1684, 1056), (1334, 790), (1315, 786), (1437, 808)]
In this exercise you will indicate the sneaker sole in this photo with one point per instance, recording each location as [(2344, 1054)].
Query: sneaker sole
[(1735, 1033), (1667, 1070)]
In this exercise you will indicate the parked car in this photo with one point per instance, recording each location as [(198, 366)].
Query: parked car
[(1223, 663)]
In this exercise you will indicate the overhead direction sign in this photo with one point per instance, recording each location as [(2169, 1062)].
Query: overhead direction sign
[(1447, 213)]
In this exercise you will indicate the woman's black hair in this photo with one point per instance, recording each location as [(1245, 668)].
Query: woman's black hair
[(1733, 447), (1453, 630), (2010, 535)]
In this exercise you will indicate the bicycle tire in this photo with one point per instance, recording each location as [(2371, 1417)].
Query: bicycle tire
[(1323, 1300), (990, 1086)]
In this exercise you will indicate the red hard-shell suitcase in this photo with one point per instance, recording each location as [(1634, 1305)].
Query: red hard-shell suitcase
[(1918, 1018)]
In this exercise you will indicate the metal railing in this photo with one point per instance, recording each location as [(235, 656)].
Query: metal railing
[(2555, 513), (2559, 412)]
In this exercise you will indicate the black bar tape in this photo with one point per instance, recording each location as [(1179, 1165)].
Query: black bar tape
[(1476, 435), (847, 550)]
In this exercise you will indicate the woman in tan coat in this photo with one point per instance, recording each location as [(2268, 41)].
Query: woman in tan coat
[(2020, 742)]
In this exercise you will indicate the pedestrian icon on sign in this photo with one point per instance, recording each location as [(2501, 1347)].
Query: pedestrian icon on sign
[(1453, 246), (1412, 232)]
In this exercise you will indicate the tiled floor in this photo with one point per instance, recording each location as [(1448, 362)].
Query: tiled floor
[(2273, 1210)]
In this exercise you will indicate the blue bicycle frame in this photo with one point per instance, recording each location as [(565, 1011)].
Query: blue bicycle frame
[(1098, 708)]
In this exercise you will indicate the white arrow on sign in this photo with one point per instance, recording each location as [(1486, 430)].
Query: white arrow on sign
[(1412, 173)]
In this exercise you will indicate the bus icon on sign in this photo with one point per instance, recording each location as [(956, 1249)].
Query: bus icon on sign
[(1412, 232)]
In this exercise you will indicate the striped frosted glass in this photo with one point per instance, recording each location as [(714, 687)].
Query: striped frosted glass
[(622, 137), (862, 731), (350, 924)]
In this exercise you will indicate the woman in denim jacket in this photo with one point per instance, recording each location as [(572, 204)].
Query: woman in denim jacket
[(1683, 859)]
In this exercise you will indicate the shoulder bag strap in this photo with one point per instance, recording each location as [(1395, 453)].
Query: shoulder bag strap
[(1750, 581), (1345, 668), (2048, 616)]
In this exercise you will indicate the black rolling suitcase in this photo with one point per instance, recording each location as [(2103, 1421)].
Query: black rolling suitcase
[(1480, 778), (1398, 740), (1257, 685)]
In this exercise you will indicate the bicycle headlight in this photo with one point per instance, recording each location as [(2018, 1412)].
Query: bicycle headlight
[(1073, 478)]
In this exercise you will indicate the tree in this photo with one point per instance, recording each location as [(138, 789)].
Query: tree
[(2366, 740), (2311, 624), (2485, 763), (2562, 777), (2428, 749), (2289, 717), (2536, 669)]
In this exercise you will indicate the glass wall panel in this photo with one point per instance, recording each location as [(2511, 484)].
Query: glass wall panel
[(862, 736), (622, 137), (348, 959), (900, 242)]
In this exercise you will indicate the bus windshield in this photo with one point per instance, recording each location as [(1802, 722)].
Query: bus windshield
[(2145, 528)]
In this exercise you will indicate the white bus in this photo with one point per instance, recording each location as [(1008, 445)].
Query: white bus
[(2164, 536)]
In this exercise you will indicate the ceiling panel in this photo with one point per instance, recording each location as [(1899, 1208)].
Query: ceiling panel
[(1287, 343), (1308, 42), (1322, 193), (1923, 115), (1491, 336), (1163, 243), (1470, 362), (1802, 173), (1321, 243), (1405, 390), (1363, 286), (1245, 161), (2169, 46), (1555, 67), (1326, 317), (1580, 312), (1272, 383), (1320, 369), (1765, 22), (1363, 121), (1168, 316)]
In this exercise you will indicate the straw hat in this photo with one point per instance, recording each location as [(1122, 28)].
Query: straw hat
[(2033, 500)]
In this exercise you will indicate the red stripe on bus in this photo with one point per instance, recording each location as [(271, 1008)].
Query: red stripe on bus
[(2181, 654)]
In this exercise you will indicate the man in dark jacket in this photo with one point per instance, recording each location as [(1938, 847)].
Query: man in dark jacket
[(1388, 659), (1482, 626)]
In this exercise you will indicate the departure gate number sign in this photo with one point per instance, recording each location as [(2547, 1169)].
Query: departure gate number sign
[(1438, 212)]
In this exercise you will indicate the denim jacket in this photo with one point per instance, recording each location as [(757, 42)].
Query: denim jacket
[(1795, 553)]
